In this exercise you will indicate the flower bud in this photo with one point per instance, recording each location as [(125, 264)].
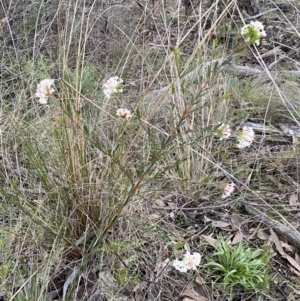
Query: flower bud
[(213, 35), (172, 47)]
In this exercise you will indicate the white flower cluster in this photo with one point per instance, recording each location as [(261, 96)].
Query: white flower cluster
[(188, 262), (245, 137), (112, 86), (223, 131), (44, 90), (124, 113), (253, 32)]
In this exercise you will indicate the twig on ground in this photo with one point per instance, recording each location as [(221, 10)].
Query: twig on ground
[(291, 234), (281, 57), (261, 14), (245, 70), (263, 128), (273, 52)]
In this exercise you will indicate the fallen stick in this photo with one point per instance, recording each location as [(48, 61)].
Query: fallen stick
[(292, 235)]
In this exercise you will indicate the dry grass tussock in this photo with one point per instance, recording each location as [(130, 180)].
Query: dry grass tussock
[(98, 207)]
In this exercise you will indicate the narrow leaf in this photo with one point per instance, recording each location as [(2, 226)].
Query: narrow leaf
[(86, 130)]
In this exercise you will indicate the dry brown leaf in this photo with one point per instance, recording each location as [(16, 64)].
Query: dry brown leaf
[(267, 246), (295, 272), (207, 219), (273, 237), (138, 290), (247, 182), (191, 293), (205, 198), (262, 234), (220, 224), (3, 21), (252, 233), (211, 241), (239, 223), (294, 199), (278, 245), (160, 203), (154, 216), (286, 246), (166, 198), (293, 262), (237, 238), (200, 288)]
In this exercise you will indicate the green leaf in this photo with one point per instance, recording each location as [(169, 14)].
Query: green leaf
[(98, 145), (226, 62), (239, 50), (205, 180), (206, 129), (162, 236), (182, 87), (177, 246), (173, 89), (215, 42), (147, 167), (110, 152), (69, 110), (215, 66), (86, 131), (138, 115)]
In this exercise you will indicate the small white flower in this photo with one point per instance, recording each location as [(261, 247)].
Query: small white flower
[(254, 30), (223, 131), (124, 113), (112, 85), (228, 189), (192, 260), (180, 265), (260, 28), (44, 90), (245, 137), (189, 262)]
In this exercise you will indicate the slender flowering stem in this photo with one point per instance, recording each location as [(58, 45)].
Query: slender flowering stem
[(80, 127)]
